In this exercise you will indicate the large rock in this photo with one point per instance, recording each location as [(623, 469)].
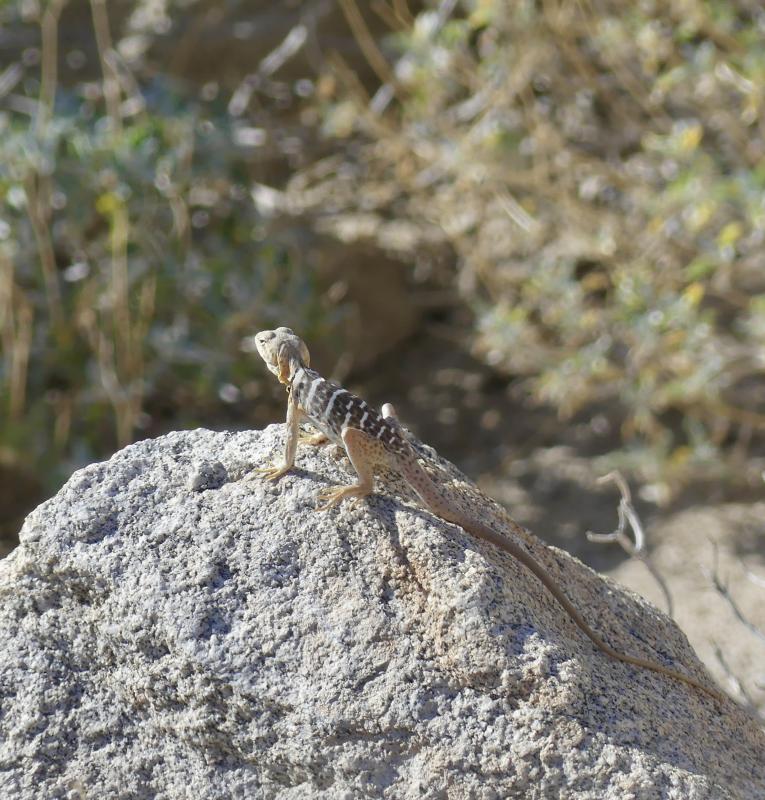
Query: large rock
[(172, 626)]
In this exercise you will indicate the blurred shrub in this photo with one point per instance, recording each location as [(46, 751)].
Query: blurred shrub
[(600, 171), (132, 258)]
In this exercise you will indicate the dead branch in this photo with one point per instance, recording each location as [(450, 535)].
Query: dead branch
[(738, 686), (636, 549), (721, 587)]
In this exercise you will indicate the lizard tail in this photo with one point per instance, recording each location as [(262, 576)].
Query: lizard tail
[(434, 499), (528, 561)]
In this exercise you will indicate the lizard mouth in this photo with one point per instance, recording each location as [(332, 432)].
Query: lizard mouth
[(266, 353)]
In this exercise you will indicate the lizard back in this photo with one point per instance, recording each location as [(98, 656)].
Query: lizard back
[(333, 409)]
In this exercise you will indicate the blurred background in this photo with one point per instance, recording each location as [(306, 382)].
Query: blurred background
[(536, 227)]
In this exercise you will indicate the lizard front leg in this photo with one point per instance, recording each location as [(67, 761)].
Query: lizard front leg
[(274, 472), (365, 453)]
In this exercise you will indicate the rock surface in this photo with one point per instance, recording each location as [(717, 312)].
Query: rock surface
[(172, 626)]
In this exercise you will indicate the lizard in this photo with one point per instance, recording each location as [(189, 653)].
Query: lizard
[(372, 440)]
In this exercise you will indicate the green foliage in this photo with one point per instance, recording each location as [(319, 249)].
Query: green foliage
[(599, 171), (133, 262)]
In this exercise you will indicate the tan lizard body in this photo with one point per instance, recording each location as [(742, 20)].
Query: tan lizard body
[(372, 440)]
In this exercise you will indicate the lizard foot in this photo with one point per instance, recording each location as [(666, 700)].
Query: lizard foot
[(332, 497), (272, 473), (313, 439)]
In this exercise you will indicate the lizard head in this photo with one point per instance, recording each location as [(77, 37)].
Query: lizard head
[(283, 351)]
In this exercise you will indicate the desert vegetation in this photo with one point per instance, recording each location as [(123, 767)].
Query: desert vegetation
[(600, 177), (595, 177)]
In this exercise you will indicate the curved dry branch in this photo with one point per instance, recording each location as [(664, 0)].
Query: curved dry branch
[(636, 549)]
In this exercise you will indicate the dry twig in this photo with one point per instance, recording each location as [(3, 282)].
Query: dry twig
[(738, 686), (636, 549), (106, 56), (721, 587), (49, 68), (367, 43)]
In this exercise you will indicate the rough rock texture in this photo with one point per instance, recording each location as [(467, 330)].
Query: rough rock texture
[(174, 627)]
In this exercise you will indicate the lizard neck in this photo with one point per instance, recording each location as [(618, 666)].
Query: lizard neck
[(296, 364), (294, 368)]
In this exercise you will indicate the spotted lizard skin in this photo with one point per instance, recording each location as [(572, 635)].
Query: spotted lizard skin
[(332, 410)]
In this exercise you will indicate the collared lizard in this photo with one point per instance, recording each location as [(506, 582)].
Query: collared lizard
[(372, 440)]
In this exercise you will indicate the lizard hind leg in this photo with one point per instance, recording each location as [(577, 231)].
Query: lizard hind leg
[(365, 453), (313, 439)]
